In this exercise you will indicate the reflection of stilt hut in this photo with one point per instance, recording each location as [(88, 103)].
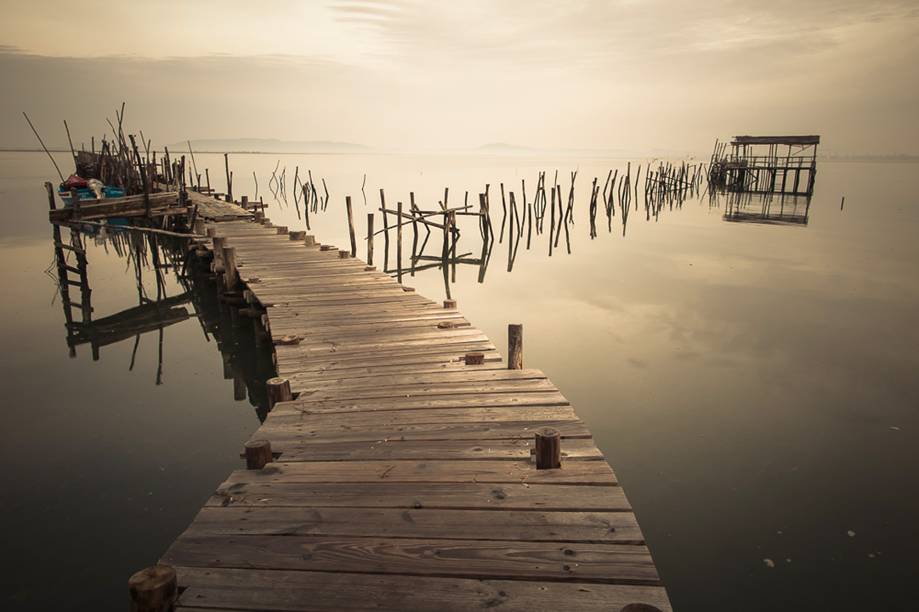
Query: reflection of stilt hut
[(766, 164)]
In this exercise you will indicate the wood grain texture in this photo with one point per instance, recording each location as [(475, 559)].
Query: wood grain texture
[(403, 478)]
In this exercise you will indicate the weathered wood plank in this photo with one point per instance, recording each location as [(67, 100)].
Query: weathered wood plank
[(298, 591)]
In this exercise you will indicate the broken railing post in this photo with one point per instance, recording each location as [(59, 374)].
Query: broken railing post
[(515, 346), (153, 589), (278, 391), (548, 449), (258, 454)]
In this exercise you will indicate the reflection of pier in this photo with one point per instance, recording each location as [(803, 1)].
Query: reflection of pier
[(782, 210), (246, 361)]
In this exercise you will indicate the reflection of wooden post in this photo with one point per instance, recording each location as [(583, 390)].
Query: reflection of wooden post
[(515, 347), (369, 239), (548, 449), (153, 589)]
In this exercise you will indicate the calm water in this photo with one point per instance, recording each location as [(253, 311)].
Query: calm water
[(754, 386)]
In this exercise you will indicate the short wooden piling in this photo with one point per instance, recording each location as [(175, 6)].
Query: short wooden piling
[(475, 358), (548, 449), (450, 304), (309, 240), (278, 391), (258, 454), (153, 589), (515, 346), (344, 255), (369, 239), (297, 235), (244, 202), (218, 247), (282, 229)]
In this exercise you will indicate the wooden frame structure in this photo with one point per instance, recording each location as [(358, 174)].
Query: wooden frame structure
[(766, 164)]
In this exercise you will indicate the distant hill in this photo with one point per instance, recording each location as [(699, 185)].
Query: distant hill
[(269, 145)]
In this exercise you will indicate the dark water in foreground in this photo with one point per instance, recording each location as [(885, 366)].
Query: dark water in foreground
[(754, 386)]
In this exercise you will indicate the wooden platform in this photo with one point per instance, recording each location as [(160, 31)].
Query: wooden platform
[(215, 210), (404, 479)]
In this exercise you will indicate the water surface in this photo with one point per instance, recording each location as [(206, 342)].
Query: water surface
[(752, 385)]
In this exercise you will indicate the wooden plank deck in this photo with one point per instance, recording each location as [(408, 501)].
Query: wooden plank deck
[(404, 479)]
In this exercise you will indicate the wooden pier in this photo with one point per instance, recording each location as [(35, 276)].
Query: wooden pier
[(397, 469)]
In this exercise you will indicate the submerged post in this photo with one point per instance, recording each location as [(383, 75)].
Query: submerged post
[(153, 589), (515, 346), (258, 454), (548, 449)]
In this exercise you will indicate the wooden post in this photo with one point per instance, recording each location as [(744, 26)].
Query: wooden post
[(278, 391), (475, 358), (450, 304), (297, 235), (226, 163), (281, 229), (218, 246), (244, 202), (515, 346), (200, 227), (369, 238), (258, 454), (399, 242), (309, 240), (153, 589), (230, 275), (351, 226), (548, 449), (344, 254)]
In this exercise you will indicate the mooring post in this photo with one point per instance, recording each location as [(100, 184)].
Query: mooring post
[(548, 449), (369, 238), (297, 235), (281, 229), (211, 232), (244, 202), (153, 589), (515, 346), (230, 275), (226, 163), (450, 304), (344, 254), (278, 391), (258, 454), (309, 240)]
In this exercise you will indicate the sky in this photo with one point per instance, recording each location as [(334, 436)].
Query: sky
[(631, 76)]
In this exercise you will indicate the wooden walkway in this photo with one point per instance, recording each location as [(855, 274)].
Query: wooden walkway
[(403, 478)]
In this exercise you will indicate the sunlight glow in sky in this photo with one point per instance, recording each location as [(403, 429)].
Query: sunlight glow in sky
[(636, 75)]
